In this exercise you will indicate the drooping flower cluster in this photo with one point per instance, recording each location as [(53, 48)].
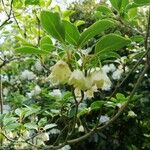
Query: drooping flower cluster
[(96, 79)]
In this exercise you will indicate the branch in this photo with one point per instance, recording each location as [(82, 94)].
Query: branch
[(8, 15)]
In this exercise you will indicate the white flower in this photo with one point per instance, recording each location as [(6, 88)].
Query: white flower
[(56, 92), (21, 145), (36, 90), (60, 73), (26, 134), (117, 74), (107, 85), (81, 129), (4, 78), (112, 67), (8, 53), (78, 80), (29, 75), (104, 118), (90, 93), (38, 66), (43, 136), (66, 147), (101, 80), (54, 131), (5, 91), (80, 62), (132, 114), (106, 68), (119, 105), (6, 109)]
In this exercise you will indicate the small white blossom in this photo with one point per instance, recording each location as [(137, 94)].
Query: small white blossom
[(38, 66), (132, 114), (5, 91), (43, 136), (117, 74), (66, 147), (8, 53), (6, 109), (54, 131), (81, 129), (112, 67), (29, 75), (119, 105), (26, 134), (21, 145), (107, 85), (4, 78), (104, 118), (36, 90), (106, 68), (56, 92), (90, 93)]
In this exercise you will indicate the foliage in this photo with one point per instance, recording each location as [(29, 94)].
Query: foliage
[(75, 79)]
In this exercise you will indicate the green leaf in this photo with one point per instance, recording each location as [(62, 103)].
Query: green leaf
[(79, 23), (42, 122), (111, 42), (132, 13), (107, 55), (47, 47), (18, 3), (13, 126), (49, 126), (120, 97), (31, 125), (46, 43), (83, 112), (32, 2), (142, 2), (124, 3), (97, 105), (115, 4), (19, 112), (71, 32), (93, 30), (135, 5), (45, 40), (104, 9), (68, 13), (30, 50), (119, 4), (137, 38), (52, 23), (22, 41)]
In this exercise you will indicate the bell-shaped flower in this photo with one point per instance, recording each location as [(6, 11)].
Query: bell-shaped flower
[(100, 79), (78, 80), (60, 73)]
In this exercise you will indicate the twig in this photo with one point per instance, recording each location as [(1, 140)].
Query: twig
[(8, 15)]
